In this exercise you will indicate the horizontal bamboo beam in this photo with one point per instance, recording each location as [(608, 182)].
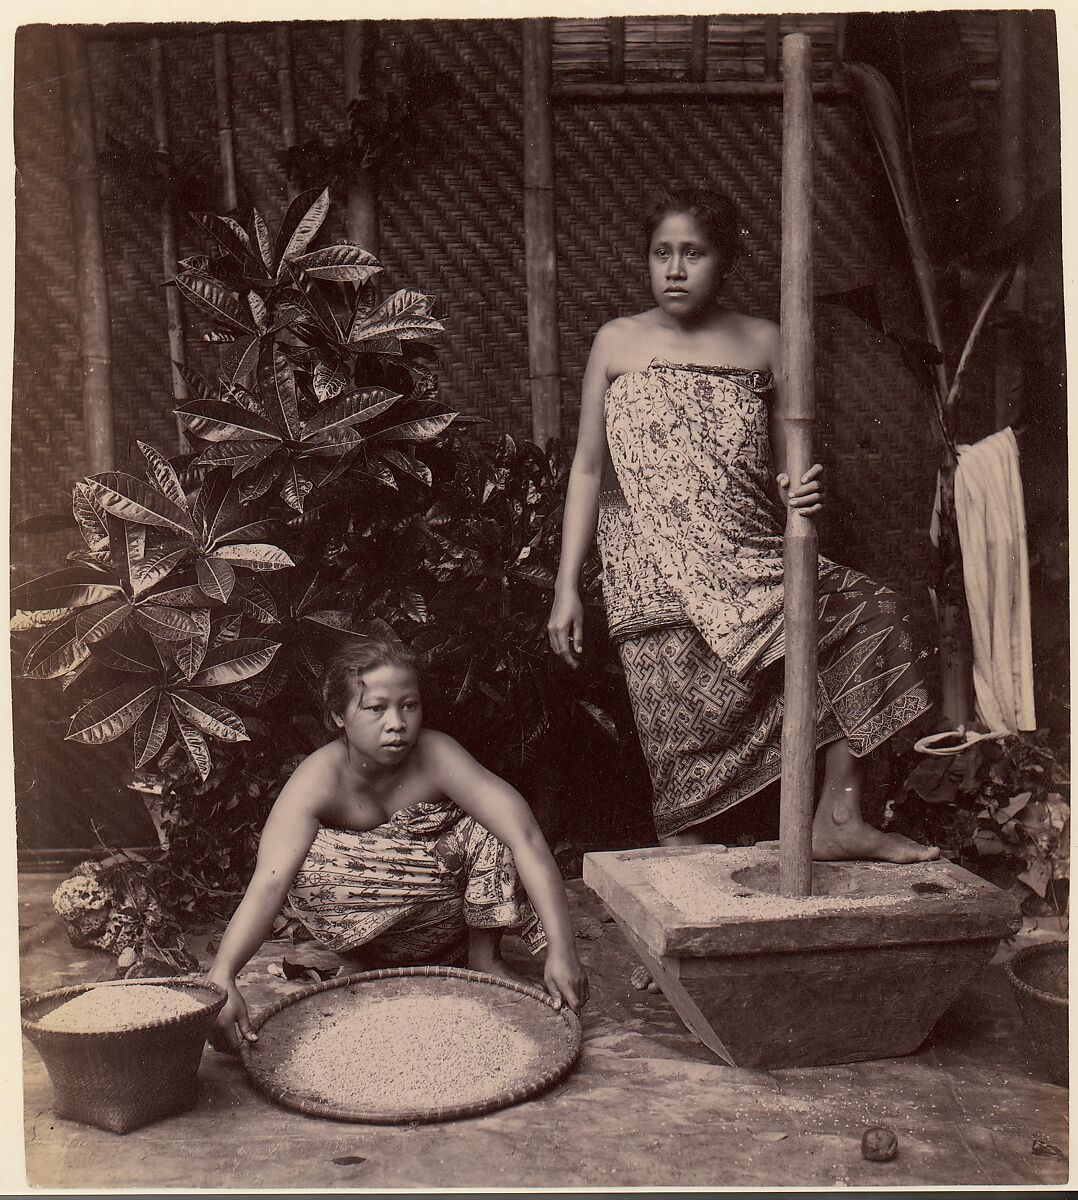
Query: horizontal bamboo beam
[(91, 277), (766, 88), (800, 568)]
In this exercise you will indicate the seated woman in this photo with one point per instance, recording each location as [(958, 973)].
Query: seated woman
[(392, 843)]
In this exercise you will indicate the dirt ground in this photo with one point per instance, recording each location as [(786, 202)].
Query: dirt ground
[(647, 1105)]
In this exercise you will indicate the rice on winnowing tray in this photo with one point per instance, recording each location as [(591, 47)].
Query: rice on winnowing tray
[(410, 1051)]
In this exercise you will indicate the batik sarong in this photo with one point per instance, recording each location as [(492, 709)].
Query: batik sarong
[(407, 892), (692, 548)]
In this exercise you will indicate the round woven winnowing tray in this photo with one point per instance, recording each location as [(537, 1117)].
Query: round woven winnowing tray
[(411, 1044)]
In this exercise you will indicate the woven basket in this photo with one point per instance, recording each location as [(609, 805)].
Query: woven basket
[(122, 1080), (261, 1060), (1044, 1011)]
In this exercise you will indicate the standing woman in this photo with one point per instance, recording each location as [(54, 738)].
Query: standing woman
[(680, 470)]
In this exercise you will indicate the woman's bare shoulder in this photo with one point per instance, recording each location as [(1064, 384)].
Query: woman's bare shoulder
[(316, 781)]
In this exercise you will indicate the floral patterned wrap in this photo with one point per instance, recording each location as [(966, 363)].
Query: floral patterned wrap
[(691, 452), (408, 890)]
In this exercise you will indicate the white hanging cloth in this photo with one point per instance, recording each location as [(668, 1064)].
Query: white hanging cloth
[(995, 566)]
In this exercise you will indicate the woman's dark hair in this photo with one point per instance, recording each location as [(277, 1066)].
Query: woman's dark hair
[(714, 210), (353, 659)]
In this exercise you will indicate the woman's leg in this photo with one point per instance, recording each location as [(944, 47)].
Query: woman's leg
[(840, 832)]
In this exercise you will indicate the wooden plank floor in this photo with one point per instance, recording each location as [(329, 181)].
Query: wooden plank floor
[(647, 1105)]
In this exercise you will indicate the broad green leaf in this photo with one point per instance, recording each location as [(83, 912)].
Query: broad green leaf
[(409, 466), (156, 566), (295, 487), (218, 421), (354, 409), (195, 745), (229, 235), (277, 384), (258, 311), (240, 456), (332, 444), (422, 430), (130, 499), (256, 602), (531, 572), (405, 314), (60, 651), (105, 718), (97, 623), (125, 657), (259, 482), (89, 517), (70, 587), (216, 578), (151, 729), (23, 621), (335, 619), (215, 494), (329, 382), (255, 556), (240, 359), (227, 629), (164, 476), (168, 624), (301, 222), (235, 661), (262, 236), (209, 716), (340, 264), (213, 299), (185, 596), (189, 655)]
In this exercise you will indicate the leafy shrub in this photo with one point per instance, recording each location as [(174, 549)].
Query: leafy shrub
[(328, 492)]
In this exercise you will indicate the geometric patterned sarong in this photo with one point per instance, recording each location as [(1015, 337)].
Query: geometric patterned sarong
[(712, 740), (407, 892)]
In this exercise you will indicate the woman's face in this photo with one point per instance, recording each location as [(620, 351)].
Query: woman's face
[(684, 265), (384, 714)]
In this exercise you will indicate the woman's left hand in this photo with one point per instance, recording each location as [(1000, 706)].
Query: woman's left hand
[(807, 498)]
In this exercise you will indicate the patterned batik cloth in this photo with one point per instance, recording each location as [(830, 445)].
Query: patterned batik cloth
[(692, 551), (407, 892)]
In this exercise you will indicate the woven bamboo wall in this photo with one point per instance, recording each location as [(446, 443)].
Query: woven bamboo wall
[(452, 224), (873, 435)]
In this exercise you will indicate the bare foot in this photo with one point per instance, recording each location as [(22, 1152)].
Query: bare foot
[(497, 966), (641, 980), (857, 841)]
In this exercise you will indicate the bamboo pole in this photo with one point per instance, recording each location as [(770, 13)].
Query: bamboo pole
[(1012, 198), (544, 370), (616, 49), (361, 214), (799, 402), (226, 146), (91, 279), (771, 47), (698, 50), (286, 91), (177, 347)]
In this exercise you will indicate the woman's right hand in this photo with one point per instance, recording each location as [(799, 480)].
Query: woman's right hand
[(566, 626), (233, 1022)]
